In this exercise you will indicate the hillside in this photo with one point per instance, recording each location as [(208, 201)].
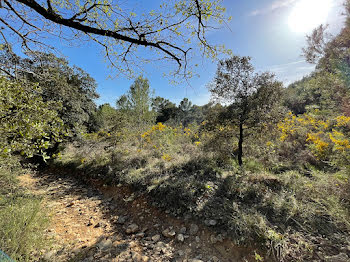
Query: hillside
[(261, 172)]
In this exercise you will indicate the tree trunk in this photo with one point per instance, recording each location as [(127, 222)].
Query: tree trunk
[(240, 144)]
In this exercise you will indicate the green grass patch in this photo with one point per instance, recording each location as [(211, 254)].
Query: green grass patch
[(22, 218)]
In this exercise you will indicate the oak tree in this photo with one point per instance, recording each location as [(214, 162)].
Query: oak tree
[(69, 85), (250, 97)]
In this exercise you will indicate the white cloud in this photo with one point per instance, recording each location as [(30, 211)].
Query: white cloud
[(274, 6), (290, 72), (286, 65)]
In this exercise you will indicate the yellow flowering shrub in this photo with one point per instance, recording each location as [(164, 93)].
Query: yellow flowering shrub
[(288, 126), (292, 124), (318, 144), (324, 137), (343, 121), (341, 143), (269, 143), (166, 157), (166, 139)]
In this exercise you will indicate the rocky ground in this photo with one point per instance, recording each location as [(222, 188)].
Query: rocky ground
[(92, 222)]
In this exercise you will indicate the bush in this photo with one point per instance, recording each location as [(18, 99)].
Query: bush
[(186, 171), (28, 125), (311, 138)]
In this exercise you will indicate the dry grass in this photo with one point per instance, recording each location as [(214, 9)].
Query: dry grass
[(22, 217), (288, 213)]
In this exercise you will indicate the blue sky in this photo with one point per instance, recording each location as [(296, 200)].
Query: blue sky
[(259, 29)]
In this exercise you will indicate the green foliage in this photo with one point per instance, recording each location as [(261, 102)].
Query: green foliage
[(253, 98), (324, 91), (70, 86), (253, 206), (164, 109), (185, 113), (22, 216), (293, 192), (190, 114), (167, 141), (136, 104), (29, 125), (258, 257), (328, 86), (106, 118), (185, 107)]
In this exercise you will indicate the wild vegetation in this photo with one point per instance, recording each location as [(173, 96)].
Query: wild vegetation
[(23, 218), (270, 165)]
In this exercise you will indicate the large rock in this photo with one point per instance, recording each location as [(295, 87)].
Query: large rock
[(156, 238), (140, 235), (213, 239), (194, 229), (215, 259), (180, 238), (136, 257), (131, 229), (168, 233), (220, 238), (180, 253), (183, 230), (212, 222), (105, 244), (121, 220)]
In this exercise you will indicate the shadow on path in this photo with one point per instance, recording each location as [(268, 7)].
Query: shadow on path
[(93, 222)]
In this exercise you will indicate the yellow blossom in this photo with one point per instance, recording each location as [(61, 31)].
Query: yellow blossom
[(343, 121), (166, 157), (338, 138)]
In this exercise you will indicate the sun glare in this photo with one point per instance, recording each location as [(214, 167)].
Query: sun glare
[(308, 14)]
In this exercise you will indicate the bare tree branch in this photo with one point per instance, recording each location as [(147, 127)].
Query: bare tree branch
[(52, 16), (170, 33), (20, 17)]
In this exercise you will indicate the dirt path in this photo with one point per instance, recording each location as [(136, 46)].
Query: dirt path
[(114, 224)]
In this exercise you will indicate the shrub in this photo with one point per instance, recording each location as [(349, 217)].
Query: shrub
[(311, 138), (28, 125)]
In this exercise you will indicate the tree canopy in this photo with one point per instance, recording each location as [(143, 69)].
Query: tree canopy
[(250, 96), (171, 33), (69, 85), (136, 103)]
